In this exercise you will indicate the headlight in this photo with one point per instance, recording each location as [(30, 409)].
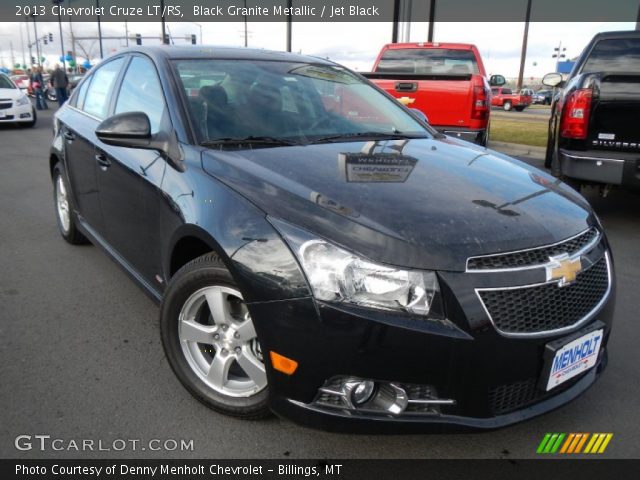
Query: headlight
[(23, 100), (340, 276), (337, 275)]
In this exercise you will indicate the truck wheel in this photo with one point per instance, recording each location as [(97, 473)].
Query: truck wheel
[(506, 106), (519, 109), (210, 340)]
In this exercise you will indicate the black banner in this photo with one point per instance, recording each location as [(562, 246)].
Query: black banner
[(333, 469), (320, 10)]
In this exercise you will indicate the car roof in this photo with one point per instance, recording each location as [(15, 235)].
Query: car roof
[(173, 52), (618, 34)]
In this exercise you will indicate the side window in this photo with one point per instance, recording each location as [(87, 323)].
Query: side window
[(506, 91), (141, 92), (96, 102), (82, 93)]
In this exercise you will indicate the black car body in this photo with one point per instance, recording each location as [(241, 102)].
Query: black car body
[(480, 235), (593, 137)]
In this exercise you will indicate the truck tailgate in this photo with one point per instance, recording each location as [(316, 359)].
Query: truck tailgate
[(446, 100), (615, 111)]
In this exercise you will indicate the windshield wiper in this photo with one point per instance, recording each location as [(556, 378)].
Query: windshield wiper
[(248, 140), (373, 135)]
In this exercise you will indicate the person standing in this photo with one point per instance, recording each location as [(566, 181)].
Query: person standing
[(37, 85), (60, 82)]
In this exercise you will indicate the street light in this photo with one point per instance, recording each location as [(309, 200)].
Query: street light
[(200, 27), (559, 54), (64, 65)]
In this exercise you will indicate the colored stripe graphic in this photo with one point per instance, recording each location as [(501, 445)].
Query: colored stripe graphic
[(573, 443)]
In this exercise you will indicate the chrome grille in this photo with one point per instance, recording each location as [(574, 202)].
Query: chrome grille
[(534, 256), (543, 308)]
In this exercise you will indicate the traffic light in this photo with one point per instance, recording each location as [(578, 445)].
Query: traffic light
[(44, 39), (138, 39), (166, 39), (193, 39), (33, 60), (51, 37)]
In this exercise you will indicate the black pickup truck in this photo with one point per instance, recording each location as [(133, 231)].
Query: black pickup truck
[(594, 136)]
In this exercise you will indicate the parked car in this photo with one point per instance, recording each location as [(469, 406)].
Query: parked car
[(505, 98), (593, 134), (50, 92), (543, 97), (345, 269), (445, 81), (22, 81), (15, 106), (526, 92)]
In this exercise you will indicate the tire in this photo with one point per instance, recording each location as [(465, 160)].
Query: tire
[(63, 203), (51, 95), (547, 102), (32, 123), (210, 353), (519, 109), (506, 106)]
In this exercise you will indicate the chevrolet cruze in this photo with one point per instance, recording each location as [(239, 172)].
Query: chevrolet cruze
[(318, 250)]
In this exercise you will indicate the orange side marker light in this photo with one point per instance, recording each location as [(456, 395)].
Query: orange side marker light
[(282, 363)]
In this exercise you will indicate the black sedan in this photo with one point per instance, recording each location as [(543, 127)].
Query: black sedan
[(321, 252)]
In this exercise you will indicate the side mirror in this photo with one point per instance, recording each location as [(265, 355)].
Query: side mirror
[(497, 80), (133, 130), (130, 129), (553, 80), (419, 114)]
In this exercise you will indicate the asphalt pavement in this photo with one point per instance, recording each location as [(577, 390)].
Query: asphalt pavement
[(81, 358)]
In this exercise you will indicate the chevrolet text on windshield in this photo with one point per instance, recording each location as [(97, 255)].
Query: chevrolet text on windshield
[(320, 251)]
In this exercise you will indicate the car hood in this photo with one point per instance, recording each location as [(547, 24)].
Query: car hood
[(424, 203), (10, 93)]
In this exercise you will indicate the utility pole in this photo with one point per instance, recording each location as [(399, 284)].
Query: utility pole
[(64, 64), (35, 31), (289, 26), (99, 30), (24, 63), (432, 20), (246, 33), (525, 38), (396, 21), (126, 33)]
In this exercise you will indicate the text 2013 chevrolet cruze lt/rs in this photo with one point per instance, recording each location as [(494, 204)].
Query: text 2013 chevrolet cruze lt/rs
[(319, 251)]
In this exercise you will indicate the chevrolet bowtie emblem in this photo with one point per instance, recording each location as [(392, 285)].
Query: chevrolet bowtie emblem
[(406, 100), (563, 269)]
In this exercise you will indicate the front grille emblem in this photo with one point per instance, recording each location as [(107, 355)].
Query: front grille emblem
[(563, 269)]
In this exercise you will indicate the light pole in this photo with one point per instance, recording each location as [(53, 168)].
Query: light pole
[(200, 27), (64, 64), (24, 63), (558, 55)]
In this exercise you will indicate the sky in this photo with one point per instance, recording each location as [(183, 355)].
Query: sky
[(354, 45)]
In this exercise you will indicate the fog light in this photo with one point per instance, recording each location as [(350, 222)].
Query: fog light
[(363, 392)]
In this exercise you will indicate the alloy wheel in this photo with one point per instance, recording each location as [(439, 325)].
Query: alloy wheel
[(219, 342), (62, 205)]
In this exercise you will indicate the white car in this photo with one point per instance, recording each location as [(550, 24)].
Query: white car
[(15, 106)]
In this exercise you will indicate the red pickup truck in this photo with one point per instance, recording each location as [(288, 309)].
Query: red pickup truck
[(505, 98), (445, 81)]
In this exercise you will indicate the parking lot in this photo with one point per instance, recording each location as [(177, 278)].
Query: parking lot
[(81, 356)]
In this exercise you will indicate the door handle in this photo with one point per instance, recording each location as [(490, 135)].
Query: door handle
[(103, 161), (406, 87), (69, 136)]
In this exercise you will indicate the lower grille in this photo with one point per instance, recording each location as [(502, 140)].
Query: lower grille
[(547, 307), (510, 397), (4, 106)]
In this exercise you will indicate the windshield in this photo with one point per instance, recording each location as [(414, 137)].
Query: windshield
[(299, 102), (5, 82)]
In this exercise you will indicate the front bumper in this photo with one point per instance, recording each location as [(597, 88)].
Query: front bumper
[(615, 168), (493, 378), (17, 113)]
